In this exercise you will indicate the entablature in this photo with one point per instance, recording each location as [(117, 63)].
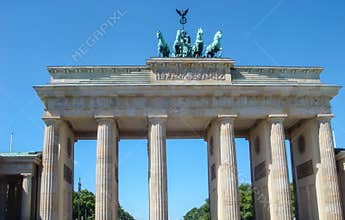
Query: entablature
[(194, 71)]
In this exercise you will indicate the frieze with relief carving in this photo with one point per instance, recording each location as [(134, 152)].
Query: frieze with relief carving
[(190, 76)]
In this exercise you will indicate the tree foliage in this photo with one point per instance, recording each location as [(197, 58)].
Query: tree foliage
[(87, 206), (246, 202), (124, 215), (246, 205), (202, 213)]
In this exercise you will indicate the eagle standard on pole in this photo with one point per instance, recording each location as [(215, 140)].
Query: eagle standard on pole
[(183, 19)]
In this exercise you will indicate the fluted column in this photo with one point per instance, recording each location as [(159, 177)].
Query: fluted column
[(106, 160), (48, 200), (12, 200), (278, 180), (331, 204), (26, 196), (158, 194), (228, 196), (3, 197)]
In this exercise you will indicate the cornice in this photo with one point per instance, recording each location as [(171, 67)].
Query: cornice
[(95, 69), (129, 69), (280, 69), (205, 89)]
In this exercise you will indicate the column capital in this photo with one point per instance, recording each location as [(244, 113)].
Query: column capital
[(27, 175), (276, 117), (51, 120), (324, 117), (157, 118), (105, 118), (229, 118)]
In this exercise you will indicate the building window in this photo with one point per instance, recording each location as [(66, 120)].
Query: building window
[(213, 171), (69, 147), (211, 146), (301, 144), (68, 174), (257, 145)]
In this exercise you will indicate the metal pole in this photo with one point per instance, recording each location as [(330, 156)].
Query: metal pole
[(79, 189), (11, 142)]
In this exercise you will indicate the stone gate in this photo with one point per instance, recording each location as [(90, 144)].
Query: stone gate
[(209, 98)]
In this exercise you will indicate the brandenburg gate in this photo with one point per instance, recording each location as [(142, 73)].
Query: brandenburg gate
[(208, 98)]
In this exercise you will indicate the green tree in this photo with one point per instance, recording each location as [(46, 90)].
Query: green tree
[(124, 215), (87, 206), (202, 213), (246, 204)]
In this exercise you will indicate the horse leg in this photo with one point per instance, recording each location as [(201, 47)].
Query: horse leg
[(159, 51), (220, 52)]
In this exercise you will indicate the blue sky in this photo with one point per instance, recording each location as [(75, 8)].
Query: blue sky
[(36, 34)]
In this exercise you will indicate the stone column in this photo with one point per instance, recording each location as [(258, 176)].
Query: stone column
[(11, 201), (331, 204), (106, 194), (158, 195), (38, 192), (228, 196), (278, 180), (48, 200), (26, 196), (3, 197)]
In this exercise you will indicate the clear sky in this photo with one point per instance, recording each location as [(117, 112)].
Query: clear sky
[(36, 34)]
